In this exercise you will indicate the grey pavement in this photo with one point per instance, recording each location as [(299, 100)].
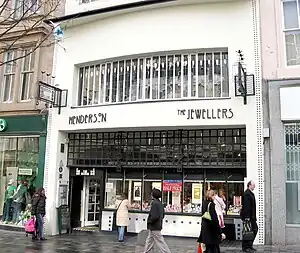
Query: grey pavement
[(14, 242)]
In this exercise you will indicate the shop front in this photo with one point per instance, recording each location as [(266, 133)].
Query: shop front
[(22, 150), (183, 164)]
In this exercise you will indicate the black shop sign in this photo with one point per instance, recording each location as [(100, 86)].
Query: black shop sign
[(91, 118), (204, 114)]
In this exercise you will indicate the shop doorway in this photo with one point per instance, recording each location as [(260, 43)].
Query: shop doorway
[(92, 193), (75, 200)]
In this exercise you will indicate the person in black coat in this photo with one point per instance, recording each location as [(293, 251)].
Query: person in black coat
[(154, 224), (211, 233), (38, 209), (248, 212)]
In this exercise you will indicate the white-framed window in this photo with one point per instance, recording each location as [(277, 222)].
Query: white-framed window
[(9, 76), (291, 12), (158, 77), (23, 8), (27, 71)]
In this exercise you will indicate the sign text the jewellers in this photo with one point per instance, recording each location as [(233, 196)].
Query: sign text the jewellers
[(87, 118), (218, 113)]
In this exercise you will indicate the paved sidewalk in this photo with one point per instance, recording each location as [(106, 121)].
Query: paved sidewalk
[(13, 242)]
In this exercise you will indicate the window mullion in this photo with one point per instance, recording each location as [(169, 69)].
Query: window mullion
[(221, 73), (124, 81), (213, 73), (205, 75), (130, 79), (111, 81), (144, 78), (94, 86), (118, 84), (197, 76), (181, 76), (137, 79), (174, 73), (104, 83), (151, 78), (189, 95)]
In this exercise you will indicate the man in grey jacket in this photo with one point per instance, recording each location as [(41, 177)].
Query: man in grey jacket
[(154, 224)]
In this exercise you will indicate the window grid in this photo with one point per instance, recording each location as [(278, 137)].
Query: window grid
[(179, 76), (191, 148), (9, 76), (24, 8), (292, 152), (27, 74)]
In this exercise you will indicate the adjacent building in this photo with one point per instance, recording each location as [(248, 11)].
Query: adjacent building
[(154, 102), (23, 120), (281, 84)]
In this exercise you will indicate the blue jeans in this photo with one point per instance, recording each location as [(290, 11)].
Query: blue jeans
[(121, 233), (40, 226), (17, 211), (6, 215)]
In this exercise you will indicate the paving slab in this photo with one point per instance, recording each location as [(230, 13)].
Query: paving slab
[(16, 242)]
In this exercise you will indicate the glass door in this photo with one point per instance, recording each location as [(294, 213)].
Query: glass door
[(92, 202)]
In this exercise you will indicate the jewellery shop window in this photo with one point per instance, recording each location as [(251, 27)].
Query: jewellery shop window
[(113, 189), (193, 191), (152, 179), (133, 187), (172, 191)]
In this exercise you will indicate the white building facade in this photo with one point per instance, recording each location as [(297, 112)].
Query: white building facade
[(152, 103)]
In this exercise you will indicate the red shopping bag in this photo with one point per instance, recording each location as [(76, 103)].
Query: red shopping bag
[(199, 248)]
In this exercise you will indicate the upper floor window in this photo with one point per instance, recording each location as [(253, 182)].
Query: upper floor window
[(17, 75), (291, 12), (24, 8), (160, 77), (9, 76)]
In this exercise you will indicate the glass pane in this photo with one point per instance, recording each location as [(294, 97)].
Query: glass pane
[(96, 89), (186, 64), (91, 85), (134, 80), (108, 81), (114, 82), (148, 78), (209, 75), (170, 77), (292, 40), (201, 76), (114, 190), (217, 75), (121, 80), (172, 193), (8, 88), (178, 74), (80, 86), (292, 203), (148, 187), (290, 15), (162, 83), (134, 194), (102, 87), (85, 86), (141, 78), (193, 75), (155, 77)]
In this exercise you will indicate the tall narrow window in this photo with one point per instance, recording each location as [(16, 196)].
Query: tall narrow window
[(8, 76), (27, 74), (25, 8)]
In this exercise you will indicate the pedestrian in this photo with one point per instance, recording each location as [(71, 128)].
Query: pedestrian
[(154, 224), (220, 210), (122, 219), (8, 200), (38, 209), (248, 212), (211, 234)]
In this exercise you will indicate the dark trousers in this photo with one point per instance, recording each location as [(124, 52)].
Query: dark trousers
[(7, 208), (211, 248), (249, 244)]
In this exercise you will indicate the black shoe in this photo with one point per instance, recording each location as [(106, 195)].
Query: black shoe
[(43, 239)]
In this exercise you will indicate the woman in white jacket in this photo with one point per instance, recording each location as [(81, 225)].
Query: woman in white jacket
[(122, 218)]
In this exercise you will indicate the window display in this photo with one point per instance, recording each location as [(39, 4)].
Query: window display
[(193, 197), (134, 190), (19, 158), (113, 191), (172, 195), (147, 198)]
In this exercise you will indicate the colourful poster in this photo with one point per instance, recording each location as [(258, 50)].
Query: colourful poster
[(196, 193), (137, 191), (172, 185)]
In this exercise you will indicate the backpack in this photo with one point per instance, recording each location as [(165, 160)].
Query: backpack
[(30, 226)]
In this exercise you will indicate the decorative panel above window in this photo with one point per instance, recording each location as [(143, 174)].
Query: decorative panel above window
[(161, 77)]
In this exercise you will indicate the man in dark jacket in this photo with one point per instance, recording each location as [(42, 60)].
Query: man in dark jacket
[(38, 209), (154, 224), (248, 212)]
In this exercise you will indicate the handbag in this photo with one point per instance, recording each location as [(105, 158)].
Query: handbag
[(201, 248), (207, 215), (248, 234)]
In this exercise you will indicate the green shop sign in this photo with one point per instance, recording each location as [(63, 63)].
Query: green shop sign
[(3, 125)]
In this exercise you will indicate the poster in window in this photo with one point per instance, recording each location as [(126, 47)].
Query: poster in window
[(196, 193), (137, 188), (237, 200), (156, 185), (172, 186)]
